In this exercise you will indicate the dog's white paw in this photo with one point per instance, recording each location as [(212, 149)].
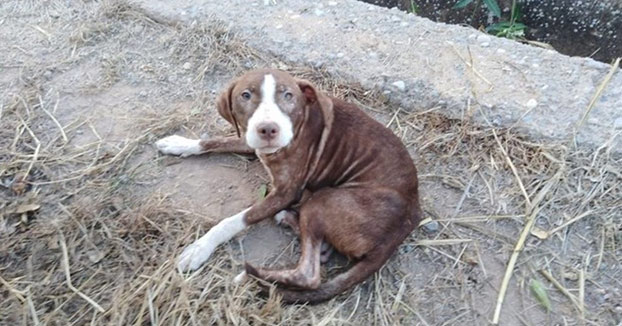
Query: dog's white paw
[(178, 145), (193, 257)]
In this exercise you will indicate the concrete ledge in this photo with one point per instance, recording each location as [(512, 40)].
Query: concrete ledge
[(420, 64)]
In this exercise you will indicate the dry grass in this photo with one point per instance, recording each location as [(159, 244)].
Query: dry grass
[(82, 228)]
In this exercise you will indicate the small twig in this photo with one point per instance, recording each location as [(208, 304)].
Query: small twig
[(62, 131), (561, 288), (33, 311), (474, 219), (393, 118), (582, 293), (533, 213), (63, 246), (470, 65), (464, 195), (598, 93), (510, 267), (411, 309), (441, 242), (549, 233), (514, 171), (601, 252), (15, 292), (35, 156), (44, 32)]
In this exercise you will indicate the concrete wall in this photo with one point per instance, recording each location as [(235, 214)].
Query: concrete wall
[(421, 65)]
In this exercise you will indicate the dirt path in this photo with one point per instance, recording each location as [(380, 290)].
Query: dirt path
[(86, 201)]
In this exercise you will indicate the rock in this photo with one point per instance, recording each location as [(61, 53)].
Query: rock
[(617, 123), (400, 85), (431, 227), (406, 248), (138, 29), (485, 44), (483, 38), (187, 65), (532, 103)]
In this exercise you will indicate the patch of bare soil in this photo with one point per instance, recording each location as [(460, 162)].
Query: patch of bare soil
[(92, 218)]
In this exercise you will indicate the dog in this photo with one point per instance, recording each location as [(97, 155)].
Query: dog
[(338, 177)]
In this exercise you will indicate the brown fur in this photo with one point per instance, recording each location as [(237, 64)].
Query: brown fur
[(358, 180)]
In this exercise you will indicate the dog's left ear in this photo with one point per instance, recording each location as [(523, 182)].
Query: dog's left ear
[(314, 97), (225, 107)]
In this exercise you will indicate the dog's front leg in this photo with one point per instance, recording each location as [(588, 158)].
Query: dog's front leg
[(182, 146), (198, 252)]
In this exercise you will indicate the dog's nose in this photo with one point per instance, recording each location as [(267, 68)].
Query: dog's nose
[(267, 130)]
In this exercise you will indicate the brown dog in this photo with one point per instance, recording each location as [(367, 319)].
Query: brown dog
[(349, 179)]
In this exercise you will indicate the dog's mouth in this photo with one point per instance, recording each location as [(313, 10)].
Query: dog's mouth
[(269, 148)]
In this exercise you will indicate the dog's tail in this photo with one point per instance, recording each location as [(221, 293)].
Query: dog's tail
[(359, 272)]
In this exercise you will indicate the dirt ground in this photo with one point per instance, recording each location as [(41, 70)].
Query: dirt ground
[(92, 217)]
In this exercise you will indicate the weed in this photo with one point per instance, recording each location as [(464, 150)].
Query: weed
[(512, 29), (413, 7)]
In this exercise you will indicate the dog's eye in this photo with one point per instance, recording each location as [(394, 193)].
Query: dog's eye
[(246, 95), (288, 95)]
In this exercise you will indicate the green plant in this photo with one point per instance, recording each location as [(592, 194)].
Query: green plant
[(413, 7), (511, 29)]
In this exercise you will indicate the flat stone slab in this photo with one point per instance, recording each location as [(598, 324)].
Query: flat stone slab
[(421, 65)]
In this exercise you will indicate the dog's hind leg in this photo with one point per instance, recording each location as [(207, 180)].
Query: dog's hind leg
[(306, 274)]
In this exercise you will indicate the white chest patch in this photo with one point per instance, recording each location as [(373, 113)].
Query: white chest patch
[(269, 112)]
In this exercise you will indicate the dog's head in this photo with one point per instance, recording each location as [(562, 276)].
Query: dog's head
[(268, 107)]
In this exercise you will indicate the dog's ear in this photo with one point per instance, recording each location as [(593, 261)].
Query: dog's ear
[(315, 97), (225, 107)]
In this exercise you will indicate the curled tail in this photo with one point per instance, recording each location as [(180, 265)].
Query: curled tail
[(356, 274)]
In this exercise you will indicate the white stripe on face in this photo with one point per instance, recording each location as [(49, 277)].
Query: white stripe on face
[(269, 112)]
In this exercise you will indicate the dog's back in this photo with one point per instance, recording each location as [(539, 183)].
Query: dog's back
[(365, 198), (361, 152)]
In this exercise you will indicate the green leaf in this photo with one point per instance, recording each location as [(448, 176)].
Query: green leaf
[(507, 29), (517, 12), (413, 7), (493, 6), (539, 291), (263, 190), (461, 4), (498, 26)]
